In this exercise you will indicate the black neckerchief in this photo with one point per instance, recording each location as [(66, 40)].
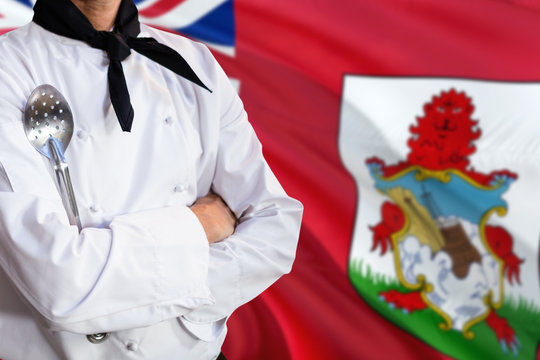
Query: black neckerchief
[(62, 17)]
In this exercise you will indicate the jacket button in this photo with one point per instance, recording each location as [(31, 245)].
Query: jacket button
[(97, 338), (180, 188), (83, 135), (132, 346)]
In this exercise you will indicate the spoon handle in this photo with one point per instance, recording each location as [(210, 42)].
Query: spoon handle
[(64, 182)]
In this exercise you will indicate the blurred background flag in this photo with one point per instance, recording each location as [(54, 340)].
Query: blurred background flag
[(340, 92), (211, 21), (14, 14)]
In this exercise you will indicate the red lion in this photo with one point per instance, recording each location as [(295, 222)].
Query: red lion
[(443, 139)]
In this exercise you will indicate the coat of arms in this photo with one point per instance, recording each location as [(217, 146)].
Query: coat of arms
[(441, 227)]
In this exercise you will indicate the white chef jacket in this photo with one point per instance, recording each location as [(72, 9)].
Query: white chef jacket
[(141, 269)]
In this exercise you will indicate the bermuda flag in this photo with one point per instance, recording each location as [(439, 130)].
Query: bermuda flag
[(409, 130)]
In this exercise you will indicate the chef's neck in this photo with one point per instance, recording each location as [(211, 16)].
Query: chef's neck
[(101, 13)]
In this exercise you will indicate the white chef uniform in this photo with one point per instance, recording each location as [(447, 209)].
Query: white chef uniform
[(141, 269)]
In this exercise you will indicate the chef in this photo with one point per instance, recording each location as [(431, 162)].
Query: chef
[(182, 219)]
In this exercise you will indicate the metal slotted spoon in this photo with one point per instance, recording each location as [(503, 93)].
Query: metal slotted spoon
[(48, 124)]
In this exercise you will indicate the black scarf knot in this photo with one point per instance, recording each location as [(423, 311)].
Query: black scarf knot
[(62, 17), (114, 43)]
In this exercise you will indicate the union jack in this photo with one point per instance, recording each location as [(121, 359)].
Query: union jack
[(210, 21)]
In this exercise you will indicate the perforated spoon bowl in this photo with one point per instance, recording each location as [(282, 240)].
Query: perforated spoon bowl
[(48, 123)]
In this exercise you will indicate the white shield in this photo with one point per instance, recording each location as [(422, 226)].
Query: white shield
[(378, 115)]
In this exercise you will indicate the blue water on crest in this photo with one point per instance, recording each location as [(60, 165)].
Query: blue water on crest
[(454, 198)]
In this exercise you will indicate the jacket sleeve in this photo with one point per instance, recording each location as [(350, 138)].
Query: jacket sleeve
[(263, 246), (144, 268)]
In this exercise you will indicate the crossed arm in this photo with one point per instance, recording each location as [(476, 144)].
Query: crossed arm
[(217, 220), (156, 264)]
